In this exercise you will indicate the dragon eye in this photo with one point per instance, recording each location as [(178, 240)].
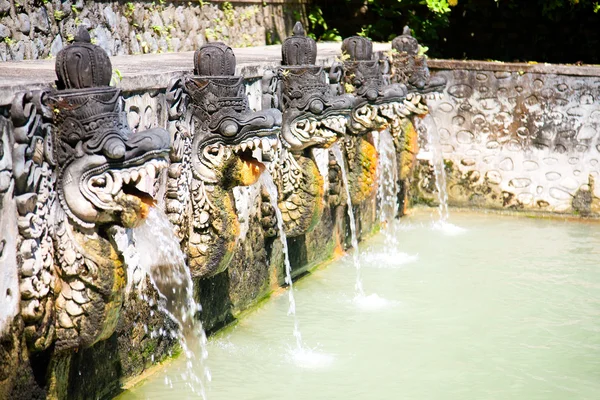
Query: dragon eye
[(316, 106), (229, 128)]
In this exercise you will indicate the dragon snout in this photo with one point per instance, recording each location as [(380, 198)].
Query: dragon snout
[(152, 140), (371, 94)]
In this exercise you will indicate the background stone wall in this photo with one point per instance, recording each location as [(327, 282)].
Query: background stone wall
[(38, 29), (517, 136)]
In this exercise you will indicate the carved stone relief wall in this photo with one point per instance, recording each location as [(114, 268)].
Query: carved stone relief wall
[(518, 140)]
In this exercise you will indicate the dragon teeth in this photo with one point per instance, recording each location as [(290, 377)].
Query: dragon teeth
[(135, 176), (257, 154), (151, 170), (118, 183)]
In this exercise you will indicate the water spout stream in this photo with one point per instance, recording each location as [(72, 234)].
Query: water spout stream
[(153, 249), (437, 160), (387, 192), (267, 181), (337, 152)]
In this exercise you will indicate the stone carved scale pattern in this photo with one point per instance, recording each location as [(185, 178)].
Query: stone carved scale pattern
[(517, 140)]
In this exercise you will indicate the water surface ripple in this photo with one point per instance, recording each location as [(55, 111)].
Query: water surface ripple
[(509, 309)]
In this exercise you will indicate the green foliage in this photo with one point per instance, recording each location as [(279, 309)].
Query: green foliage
[(59, 15), (438, 6), (116, 77), (228, 12), (129, 9), (210, 34), (159, 30), (318, 27)]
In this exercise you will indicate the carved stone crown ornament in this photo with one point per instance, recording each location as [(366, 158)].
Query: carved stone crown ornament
[(80, 173), (365, 77), (225, 143)]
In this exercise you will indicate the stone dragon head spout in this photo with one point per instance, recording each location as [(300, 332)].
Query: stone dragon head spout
[(409, 67), (228, 144), (365, 77), (81, 174), (314, 117), (312, 114)]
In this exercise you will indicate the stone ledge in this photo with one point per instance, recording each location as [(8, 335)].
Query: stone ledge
[(154, 71), (556, 69)]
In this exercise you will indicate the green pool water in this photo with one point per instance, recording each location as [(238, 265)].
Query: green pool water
[(504, 308)]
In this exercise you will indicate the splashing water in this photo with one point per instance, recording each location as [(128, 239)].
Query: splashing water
[(337, 152), (158, 255), (267, 181)]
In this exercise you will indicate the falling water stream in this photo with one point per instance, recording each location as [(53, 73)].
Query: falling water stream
[(437, 159), (154, 251), (339, 157), (267, 181), (387, 191)]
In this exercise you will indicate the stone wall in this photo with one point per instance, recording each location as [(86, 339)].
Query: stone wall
[(516, 136), (39, 29)]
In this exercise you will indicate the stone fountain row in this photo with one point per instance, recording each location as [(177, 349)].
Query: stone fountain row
[(73, 172)]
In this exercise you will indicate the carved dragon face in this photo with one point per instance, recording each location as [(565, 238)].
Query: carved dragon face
[(230, 141), (233, 153), (229, 145), (410, 68), (312, 116), (105, 174)]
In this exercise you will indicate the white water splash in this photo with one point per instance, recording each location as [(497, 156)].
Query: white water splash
[(310, 359), (337, 152), (390, 258), (447, 228), (153, 249), (267, 181), (372, 302)]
